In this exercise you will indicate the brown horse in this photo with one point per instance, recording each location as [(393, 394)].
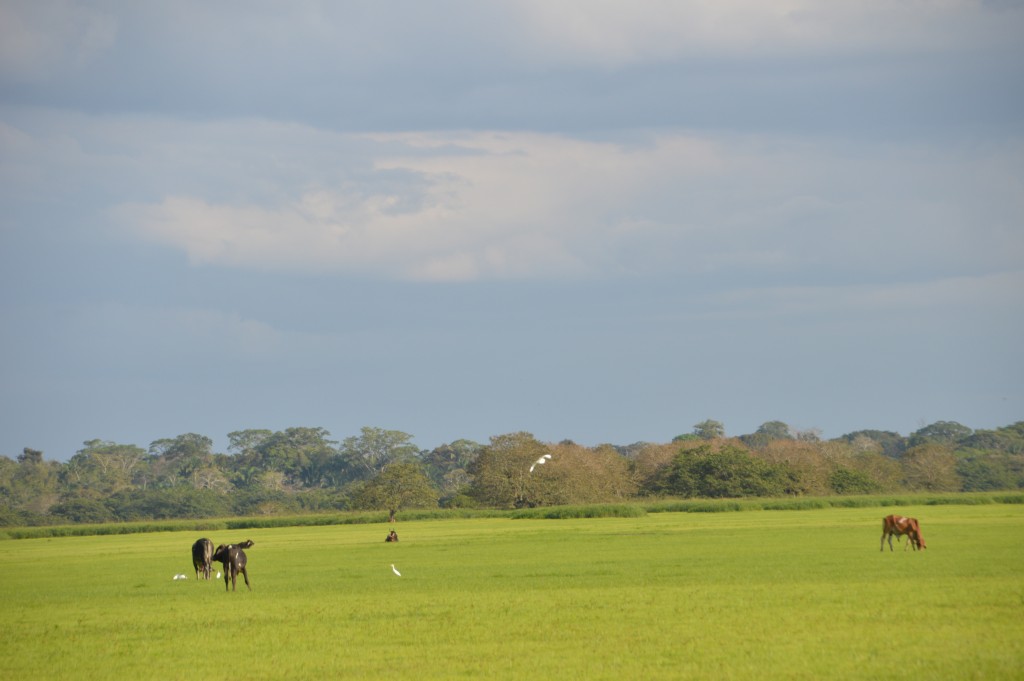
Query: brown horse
[(901, 525)]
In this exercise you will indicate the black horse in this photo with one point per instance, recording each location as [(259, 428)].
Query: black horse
[(233, 558), (202, 557)]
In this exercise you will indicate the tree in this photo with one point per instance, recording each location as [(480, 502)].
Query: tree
[(244, 464), (892, 444), (500, 471), (987, 472), (176, 459), (579, 475), (83, 511), (651, 462), (884, 471), (401, 485), (726, 472), (103, 468), (709, 430), (808, 460), (686, 437), (807, 434), (931, 467), (30, 456), (447, 465), (846, 481), (376, 449), (1008, 440), (305, 456), (940, 432), (180, 501), (247, 441), (767, 433), (775, 430), (33, 483)]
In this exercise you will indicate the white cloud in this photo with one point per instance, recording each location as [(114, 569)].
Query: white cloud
[(473, 206), (507, 205)]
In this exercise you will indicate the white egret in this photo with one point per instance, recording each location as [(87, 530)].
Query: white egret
[(540, 462), (395, 570)]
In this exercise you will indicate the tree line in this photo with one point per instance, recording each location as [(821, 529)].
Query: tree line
[(302, 470)]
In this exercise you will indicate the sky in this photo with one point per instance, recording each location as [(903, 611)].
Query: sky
[(597, 220)]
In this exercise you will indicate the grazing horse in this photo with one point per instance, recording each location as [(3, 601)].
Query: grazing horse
[(901, 525), (202, 557), (233, 558)]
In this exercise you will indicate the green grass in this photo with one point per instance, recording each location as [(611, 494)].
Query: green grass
[(621, 510), (795, 594)]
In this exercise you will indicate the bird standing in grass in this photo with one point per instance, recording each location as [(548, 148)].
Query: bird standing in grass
[(395, 570)]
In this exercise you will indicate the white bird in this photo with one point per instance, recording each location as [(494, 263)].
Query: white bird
[(218, 575), (539, 462), (177, 577), (395, 570)]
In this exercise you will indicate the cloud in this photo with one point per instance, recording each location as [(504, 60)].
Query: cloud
[(437, 206), (450, 208), (504, 205), (239, 47), (39, 40), (614, 33)]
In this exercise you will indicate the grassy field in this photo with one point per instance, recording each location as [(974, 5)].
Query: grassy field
[(744, 595)]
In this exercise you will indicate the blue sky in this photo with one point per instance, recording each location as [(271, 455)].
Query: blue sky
[(592, 220)]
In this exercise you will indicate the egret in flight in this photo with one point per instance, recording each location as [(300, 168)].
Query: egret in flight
[(539, 462)]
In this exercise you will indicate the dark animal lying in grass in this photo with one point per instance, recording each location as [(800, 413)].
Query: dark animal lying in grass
[(202, 557), (233, 558)]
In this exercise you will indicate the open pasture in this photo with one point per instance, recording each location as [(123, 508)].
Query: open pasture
[(742, 595)]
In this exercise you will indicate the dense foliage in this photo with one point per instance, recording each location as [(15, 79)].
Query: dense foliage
[(301, 470)]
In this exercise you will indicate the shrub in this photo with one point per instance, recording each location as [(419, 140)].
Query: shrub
[(846, 481), (588, 511)]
